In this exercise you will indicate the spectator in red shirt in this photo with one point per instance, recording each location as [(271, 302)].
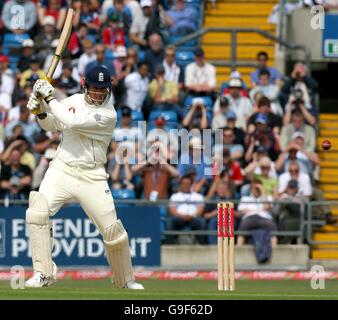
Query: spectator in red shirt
[(86, 12), (75, 44), (228, 168), (113, 35)]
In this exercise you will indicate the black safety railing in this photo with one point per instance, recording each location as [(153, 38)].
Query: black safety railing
[(233, 63), (303, 232)]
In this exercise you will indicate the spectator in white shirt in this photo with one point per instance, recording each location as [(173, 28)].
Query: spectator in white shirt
[(304, 182), (139, 24), (173, 72), (87, 57), (136, 85), (237, 103), (200, 76), (186, 209), (255, 211)]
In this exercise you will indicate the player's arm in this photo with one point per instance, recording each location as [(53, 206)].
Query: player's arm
[(46, 119), (94, 126)]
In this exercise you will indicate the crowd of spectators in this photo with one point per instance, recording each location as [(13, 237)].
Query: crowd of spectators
[(268, 126)]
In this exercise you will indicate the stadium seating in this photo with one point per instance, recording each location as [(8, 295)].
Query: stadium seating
[(135, 117), (183, 58), (13, 41)]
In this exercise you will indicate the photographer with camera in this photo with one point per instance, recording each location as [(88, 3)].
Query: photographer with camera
[(156, 171), (295, 151), (262, 136), (300, 80), (298, 125), (296, 103), (197, 115)]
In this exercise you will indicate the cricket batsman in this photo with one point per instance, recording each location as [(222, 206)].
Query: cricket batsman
[(77, 172)]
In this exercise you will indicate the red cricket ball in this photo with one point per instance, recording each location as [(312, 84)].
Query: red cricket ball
[(326, 144)]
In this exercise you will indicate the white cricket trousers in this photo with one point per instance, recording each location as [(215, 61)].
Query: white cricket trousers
[(89, 187)]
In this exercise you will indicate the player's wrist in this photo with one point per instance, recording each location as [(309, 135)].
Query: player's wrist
[(42, 115)]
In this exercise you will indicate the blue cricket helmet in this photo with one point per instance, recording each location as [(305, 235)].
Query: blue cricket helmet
[(99, 77)]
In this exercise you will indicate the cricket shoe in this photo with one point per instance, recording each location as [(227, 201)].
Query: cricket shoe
[(38, 280), (133, 285)]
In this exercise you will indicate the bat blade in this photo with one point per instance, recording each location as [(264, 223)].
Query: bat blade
[(63, 41)]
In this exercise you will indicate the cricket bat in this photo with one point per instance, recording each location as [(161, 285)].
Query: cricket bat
[(63, 41)]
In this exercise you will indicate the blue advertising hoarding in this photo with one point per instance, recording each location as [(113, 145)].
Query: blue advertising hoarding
[(330, 36), (77, 241)]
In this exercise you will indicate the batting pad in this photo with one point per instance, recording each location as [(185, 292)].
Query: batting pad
[(118, 253), (37, 219)]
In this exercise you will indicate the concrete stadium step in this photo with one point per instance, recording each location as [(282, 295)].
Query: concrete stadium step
[(174, 256), (328, 124), (241, 8), (328, 254), (329, 187), (330, 195), (227, 70), (330, 155), (328, 133), (325, 246), (239, 22), (246, 1), (328, 164), (329, 228), (223, 74), (329, 172), (328, 116), (242, 38), (326, 237), (243, 52), (328, 179)]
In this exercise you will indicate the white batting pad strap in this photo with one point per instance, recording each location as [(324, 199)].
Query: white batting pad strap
[(118, 253), (39, 234)]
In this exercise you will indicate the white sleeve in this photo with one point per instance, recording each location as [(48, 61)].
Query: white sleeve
[(188, 75), (128, 81), (242, 205), (95, 126), (172, 200), (212, 76), (307, 187), (282, 183), (50, 123)]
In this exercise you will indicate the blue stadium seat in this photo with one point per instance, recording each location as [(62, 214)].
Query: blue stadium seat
[(92, 38), (108, 54), (135, 117), (11, 40), (123, 194), (183, 58), (169, 116)]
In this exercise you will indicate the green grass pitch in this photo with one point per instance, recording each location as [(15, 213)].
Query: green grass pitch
[(175, 290)]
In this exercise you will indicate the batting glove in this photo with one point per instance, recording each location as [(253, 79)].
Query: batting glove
[(34, 105), (44, 89)]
